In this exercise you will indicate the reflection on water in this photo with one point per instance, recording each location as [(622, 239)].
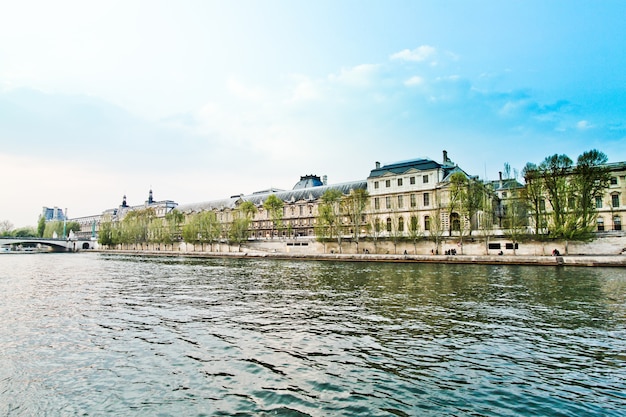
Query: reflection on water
[(93, 334)]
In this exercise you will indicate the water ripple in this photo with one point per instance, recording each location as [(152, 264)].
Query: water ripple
[(113, 335)]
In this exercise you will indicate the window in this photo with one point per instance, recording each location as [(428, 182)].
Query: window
[(510, 246), (425, 179), (413, 200), (615, 200), (412, 180), (598, 202), (504, 194), (455, 219), (388, 183), (376, 203), (389, 224), (495, 246), (426, 222), (400, 201), (401, 224), (414, 224), (301, 210), (617, 223), (613, 180), (399, 182), (376, 185), (377, 225), (426, 199), (542, 204), (388, 202), (600, 224)]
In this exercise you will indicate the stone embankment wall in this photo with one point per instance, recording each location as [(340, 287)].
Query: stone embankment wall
[(605, 251), (606, 245)]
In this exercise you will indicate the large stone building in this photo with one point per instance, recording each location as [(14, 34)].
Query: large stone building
[(611, 207), (406, 196)]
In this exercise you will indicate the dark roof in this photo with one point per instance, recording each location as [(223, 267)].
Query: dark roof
[(404, 166), (303, 194), (308, 181), (506, 184)]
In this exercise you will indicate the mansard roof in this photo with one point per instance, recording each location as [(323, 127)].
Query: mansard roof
[(308, 181), (258, 198), (307, 194), (404, 167), (225, 203)]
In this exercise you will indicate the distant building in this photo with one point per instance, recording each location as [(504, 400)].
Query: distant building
[(54, 214)]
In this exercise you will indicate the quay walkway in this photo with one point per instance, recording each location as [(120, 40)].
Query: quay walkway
[(574, 260)]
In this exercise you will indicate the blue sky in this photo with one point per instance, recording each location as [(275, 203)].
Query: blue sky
[(201, 100)]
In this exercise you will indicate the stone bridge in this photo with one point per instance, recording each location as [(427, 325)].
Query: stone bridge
[(57, 245)]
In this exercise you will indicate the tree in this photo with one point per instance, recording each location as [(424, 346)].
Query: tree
[(456, 194), (239, 229), (415, 232), (487, 219), (57, 227), (591, 178), (435, 224), (374, 227), (274, 207), (25, 232), (5, 228), (330, 214), (202, 228), (534, 194), (41, 226), (323, 225), (106, 233), (354, 206), (248, 209), (554, 170)]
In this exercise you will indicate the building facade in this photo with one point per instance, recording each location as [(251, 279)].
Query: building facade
[(405, 198)]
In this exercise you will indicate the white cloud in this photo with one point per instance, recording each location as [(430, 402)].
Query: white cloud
[(584, 125), (305, 90), (414, 81), (419, 54), (241, 90), (358, 76)]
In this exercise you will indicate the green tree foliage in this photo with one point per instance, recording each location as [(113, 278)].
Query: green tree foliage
[(456, 195), (108, 234), (329, 215), (590, 180), (41, 226), (24, 232), (571, 191), (202, 228), (415, 231), (5, 228), (248, 209), (354, 205), (58, 227), (534, 195), (239, 228), (554, 171), (274, 207)]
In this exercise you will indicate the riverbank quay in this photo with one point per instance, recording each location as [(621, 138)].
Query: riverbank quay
[(574, 260)]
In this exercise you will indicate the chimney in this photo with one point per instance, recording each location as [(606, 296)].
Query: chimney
[(500, 174), (324, 179), (377, 165), (445, 157)]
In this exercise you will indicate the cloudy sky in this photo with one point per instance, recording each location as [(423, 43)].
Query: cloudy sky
[(201, 100)]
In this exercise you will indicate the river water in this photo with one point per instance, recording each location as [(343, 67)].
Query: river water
[(94, 334)]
